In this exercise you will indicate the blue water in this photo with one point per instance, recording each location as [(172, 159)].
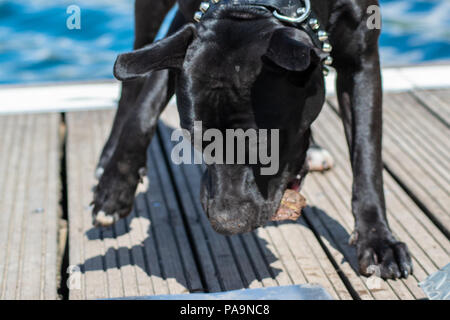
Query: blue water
[(37, 46)]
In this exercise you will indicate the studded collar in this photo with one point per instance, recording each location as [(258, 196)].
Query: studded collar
[(297, 13)]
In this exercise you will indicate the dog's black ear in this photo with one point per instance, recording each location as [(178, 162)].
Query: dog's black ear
[(167, 53), (290, 50)]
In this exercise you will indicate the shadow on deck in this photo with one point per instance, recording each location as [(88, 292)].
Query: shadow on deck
[(167, 246), (179, 252)]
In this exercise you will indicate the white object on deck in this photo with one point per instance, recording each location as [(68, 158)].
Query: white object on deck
[(60, 97)]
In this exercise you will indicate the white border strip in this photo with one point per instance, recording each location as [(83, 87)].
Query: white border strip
[(407, 78), (59, 98), (105, 95)]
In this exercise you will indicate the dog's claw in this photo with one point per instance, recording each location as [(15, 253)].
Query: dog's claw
[(142, 174), (99, 172), (94, 219), (405, 274), (386, 258), (353, 239)]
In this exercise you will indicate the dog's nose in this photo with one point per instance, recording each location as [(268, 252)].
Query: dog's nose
[(228, 227)]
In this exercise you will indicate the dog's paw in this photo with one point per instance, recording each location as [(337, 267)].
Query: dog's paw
[(113, 198), (385, 258), (319, 159)]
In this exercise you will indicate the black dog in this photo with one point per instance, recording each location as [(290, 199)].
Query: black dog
[(242, 64)]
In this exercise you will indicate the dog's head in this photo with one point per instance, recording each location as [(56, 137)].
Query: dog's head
[(241, 69)]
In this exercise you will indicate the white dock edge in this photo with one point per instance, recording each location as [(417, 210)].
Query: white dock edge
[(61, 97)]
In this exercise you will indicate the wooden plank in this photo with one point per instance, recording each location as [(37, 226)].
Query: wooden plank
[(423, 131), (413, 143), (119, 272), (144, 282), (417, 153), (272, 258), (120, 238), (289, 261), (52, 210), (29, 208), (206, 263), (260, 266), (336, 215), (400, 202), (325, 264), (427, 180), (247, 270), (310, 258), (139, 255), (168, 244), (86, 247), (279, 254), (325, 220), (8, 169), (18, 212), (42, 214), (166, 189), (147, 234), (22, 216), (437, 101), (427, 244), (187, 182)]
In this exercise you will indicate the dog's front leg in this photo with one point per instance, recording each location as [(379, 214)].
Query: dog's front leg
[(114, 194), (130, 90), (149, 14), (360, 100)]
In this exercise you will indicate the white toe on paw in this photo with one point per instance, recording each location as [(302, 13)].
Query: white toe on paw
[(104, 220), (99, 173), (319, 159), (353, 239)]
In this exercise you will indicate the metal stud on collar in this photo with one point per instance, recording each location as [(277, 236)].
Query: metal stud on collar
[(327, 47), (314, 24), (328, 61), (322, 35), (198, 15), (204, 6)]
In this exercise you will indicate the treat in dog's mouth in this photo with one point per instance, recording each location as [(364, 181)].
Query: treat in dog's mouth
[(292, 203)]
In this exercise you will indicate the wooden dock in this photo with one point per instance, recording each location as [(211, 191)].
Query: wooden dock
[(166, 246), (30, 213)]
